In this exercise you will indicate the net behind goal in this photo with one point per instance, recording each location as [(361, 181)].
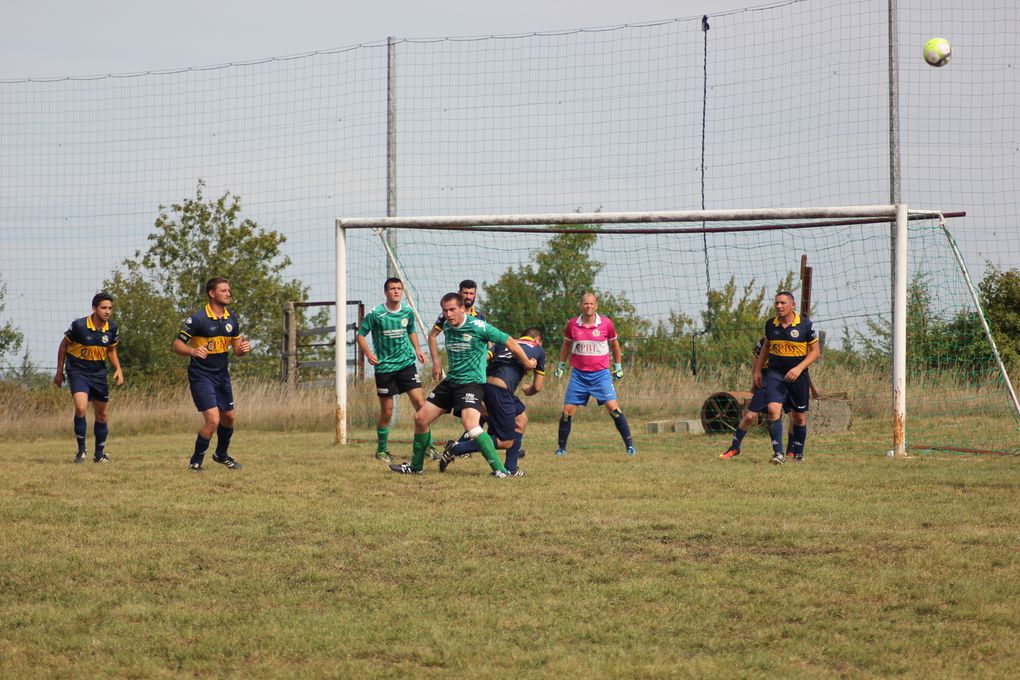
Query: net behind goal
[(690, 301)]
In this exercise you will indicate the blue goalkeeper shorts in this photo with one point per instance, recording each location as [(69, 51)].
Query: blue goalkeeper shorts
[(586, 384)]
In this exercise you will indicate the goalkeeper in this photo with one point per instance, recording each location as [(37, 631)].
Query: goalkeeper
[(588, 340)]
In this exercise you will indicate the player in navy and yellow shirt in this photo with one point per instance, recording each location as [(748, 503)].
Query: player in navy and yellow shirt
[(206, 336), (507, 415), (791, 343), (468, 290), (83, 352)]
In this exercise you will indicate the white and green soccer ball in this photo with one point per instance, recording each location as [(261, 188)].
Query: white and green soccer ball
[(937, 52)]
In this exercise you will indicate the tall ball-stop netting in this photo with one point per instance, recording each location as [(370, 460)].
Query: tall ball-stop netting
[(774, 106)]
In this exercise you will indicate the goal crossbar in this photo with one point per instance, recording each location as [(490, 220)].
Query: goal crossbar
[(884, 213)]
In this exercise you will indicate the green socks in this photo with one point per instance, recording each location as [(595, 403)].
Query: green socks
[(488, 448), (382, 434), (418, 450)]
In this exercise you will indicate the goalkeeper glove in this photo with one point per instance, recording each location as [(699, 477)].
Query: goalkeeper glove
[(617, 372), (559, 370)]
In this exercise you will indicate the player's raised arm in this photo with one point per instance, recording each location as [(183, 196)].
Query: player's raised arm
[(519, 354)]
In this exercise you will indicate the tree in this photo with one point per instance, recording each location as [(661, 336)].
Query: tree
[(195, 240), (934, 343), (732, 323), (546, 293), (10, 337), (1000, 297), (149, 320)]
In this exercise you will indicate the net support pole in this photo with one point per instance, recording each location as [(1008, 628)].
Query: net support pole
[(391, 148), (899, 339), (340, 354)]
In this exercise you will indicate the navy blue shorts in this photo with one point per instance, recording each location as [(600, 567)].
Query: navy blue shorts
[(778, 390), (503, 407), (93, 384), (759, 404), (456, 398), (211, 390)]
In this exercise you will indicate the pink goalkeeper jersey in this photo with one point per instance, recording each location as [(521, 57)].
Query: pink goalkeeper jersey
[(590, 350)]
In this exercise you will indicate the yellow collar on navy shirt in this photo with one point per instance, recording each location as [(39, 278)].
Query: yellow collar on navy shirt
[(92, 327), (209, 313), (796, 320)]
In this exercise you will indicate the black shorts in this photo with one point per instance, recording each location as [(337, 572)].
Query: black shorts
[(397, 382), (456, 398), (93, 384), (503, 407)]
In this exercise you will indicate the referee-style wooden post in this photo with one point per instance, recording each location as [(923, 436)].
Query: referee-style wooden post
[(290, 368), (805, 287)]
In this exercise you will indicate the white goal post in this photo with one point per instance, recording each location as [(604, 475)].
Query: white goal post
[(897, 214)]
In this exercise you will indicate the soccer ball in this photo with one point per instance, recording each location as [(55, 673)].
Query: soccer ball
[(937, 52)]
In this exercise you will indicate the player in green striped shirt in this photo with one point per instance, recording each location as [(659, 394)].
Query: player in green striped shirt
[(467, 349), (396, 350)]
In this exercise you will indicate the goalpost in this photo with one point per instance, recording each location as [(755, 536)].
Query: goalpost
[(741, 224)]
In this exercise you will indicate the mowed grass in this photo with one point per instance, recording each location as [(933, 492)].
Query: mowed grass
[(316, 561)]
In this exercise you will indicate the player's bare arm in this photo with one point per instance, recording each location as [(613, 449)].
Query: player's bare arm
[(437, 368), (536, 385), (194, 352), (614, 346), (565, 349), (812, 356), (366, 350), (240, 345), (118, 375), (519, 354), (58, 378), (758, 361), (412, 337)]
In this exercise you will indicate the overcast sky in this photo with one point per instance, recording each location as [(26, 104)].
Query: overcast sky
[(56, 38)]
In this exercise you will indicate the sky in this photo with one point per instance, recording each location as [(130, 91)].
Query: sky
[(54, 38)]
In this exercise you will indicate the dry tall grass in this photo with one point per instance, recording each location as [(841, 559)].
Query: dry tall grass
[(935, 403)]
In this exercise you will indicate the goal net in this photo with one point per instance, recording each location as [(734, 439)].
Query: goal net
[(690, 293)]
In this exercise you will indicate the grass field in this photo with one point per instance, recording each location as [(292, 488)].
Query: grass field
[(316, 561)]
